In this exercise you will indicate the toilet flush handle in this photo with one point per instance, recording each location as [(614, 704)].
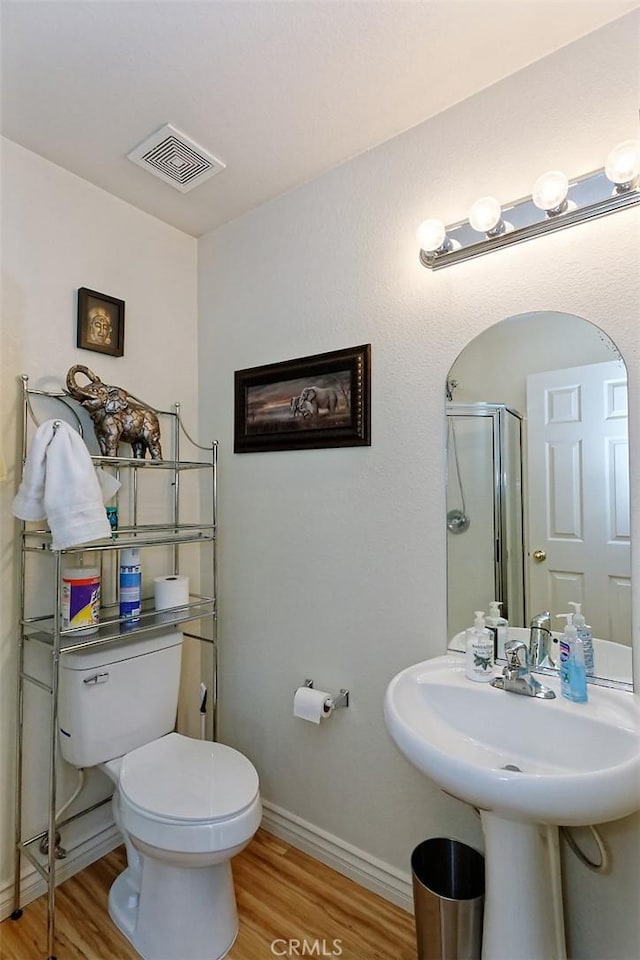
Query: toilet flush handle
[(97, 678)]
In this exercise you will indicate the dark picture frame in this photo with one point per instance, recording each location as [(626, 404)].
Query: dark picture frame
[(100, 323), (309, 403)]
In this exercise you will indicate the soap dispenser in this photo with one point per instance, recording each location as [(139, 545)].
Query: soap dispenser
[(584, 632), (573, 677), (498, 626), (479, 656)]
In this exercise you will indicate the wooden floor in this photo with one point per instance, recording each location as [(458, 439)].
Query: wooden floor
[(282, 895)]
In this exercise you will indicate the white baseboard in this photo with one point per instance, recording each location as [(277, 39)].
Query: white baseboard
[(368, 871), (32, 885), (376, 875)]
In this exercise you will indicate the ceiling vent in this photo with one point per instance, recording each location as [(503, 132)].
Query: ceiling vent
[(176, 159)]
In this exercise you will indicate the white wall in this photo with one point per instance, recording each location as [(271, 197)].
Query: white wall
[(60, 233), (334, 560)]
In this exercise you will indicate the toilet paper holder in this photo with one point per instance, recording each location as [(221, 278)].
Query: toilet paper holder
[(342, 700)]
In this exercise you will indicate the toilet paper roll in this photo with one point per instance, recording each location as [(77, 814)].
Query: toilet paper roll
[(171, 591), (310, 704)]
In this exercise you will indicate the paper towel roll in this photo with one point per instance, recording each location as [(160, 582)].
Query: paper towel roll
[(171, 591), (310, 704)]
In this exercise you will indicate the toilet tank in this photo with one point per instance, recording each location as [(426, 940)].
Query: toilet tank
[(118, 696)]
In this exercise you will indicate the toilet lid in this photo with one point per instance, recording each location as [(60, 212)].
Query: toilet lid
[(178, 778)]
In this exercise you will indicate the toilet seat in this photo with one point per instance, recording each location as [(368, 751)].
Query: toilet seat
[(187, 795)]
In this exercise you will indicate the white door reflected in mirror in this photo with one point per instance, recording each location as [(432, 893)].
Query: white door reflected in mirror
[(578, 494)]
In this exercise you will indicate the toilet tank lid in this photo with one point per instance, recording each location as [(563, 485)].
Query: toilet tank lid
[(179, 778), (126, 649)]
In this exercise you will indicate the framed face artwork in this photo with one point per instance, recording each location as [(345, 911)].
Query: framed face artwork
[(100, 323), (319, 401)]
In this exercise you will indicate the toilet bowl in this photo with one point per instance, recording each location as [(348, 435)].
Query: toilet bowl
[(185, 808)]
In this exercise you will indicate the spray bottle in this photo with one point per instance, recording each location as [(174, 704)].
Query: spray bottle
[(130, 586)]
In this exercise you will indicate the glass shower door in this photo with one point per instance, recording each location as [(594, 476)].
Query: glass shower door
[(484, 512)]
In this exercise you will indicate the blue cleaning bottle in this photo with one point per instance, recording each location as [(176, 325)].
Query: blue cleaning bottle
[(584, 632), (573, 675), (130, 587)]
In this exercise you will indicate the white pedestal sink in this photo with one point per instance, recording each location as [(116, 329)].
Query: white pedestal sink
[(528, 765)]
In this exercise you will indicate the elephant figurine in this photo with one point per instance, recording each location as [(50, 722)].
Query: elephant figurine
[(116, 416), (320, 398)]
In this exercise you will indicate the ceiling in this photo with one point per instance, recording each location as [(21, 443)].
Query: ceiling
[(279, 91)]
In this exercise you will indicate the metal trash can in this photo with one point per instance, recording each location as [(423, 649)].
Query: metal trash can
[(448, 899)]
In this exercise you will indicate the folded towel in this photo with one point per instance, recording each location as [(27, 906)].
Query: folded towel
[(60, 485)]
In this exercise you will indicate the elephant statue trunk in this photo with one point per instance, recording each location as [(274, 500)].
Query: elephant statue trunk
[(116, 415)]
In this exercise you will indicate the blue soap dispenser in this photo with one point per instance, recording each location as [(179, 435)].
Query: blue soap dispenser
[(573, 676), (584, 632)]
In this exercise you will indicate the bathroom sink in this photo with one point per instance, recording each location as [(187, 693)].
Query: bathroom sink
[(543, 761), (612, 660)]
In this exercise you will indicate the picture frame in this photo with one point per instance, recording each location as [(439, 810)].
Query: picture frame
[(308, 403), (100, 323)]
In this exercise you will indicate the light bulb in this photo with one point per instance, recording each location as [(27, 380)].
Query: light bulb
[(550, 192), (623, 163), (431, 235), (485, 215)]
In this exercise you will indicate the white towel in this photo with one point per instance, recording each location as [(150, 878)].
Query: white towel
[(59, 484)]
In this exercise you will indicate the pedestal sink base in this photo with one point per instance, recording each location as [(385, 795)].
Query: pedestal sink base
[(523, 916)]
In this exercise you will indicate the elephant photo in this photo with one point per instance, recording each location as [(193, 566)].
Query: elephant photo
[(299, 407), (320, 398), (116, 416)]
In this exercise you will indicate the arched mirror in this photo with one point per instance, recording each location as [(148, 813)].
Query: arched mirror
[(538, 482)]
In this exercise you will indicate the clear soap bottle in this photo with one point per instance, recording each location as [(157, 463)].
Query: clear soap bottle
[(479, 656), (498, 626)]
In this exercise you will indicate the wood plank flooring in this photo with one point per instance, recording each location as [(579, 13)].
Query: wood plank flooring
[(282, 894)]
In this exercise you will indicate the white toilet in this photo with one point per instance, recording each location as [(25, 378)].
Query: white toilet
[(184, 806)]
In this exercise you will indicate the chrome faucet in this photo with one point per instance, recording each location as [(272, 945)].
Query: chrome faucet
[(540, 640), (517, 677)]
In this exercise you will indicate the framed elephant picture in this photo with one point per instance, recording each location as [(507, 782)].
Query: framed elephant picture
[(312, 402), (100, 323)]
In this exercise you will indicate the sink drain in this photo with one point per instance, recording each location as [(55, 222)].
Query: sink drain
[(512, 766)]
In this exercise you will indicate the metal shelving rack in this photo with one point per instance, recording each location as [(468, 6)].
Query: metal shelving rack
[(47, 630)]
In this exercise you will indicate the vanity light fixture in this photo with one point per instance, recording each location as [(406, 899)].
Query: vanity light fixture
[(623, 165), (485, 217), (555, 204), (550, 193), (433, 239)]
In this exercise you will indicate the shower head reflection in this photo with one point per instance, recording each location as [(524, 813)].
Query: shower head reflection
[(457, 521)]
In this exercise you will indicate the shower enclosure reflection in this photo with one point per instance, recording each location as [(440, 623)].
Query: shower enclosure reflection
[(538, 480), (484, 483)]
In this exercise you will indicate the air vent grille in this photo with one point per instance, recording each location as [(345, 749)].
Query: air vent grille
[(176, 159)]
